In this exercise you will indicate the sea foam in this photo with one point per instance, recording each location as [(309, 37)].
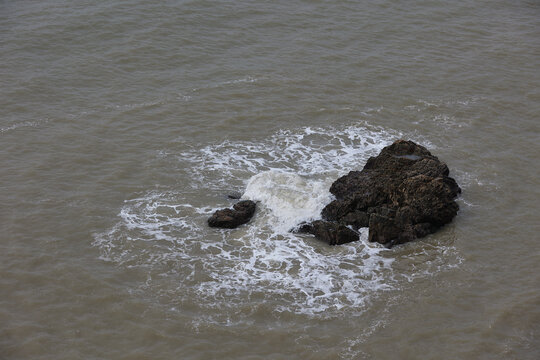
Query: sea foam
[(290, 198), (260, 264)]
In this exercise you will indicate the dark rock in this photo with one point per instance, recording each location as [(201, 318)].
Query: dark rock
[(330, 232), (357, 219), (303, 228), (234, 195), (383, 229), (337, 209), (240, 214), (402, 194)]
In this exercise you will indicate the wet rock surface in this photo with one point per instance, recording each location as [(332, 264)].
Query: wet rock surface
[(402, 194), (228, 218), (234, 195), (332, 233)]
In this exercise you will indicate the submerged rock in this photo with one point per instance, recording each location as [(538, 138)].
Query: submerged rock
[(402, 194), (240, 214), (234, 195)]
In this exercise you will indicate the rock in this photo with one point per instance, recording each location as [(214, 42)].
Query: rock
[(303, 228), (402, 194), (330, 232), (240, 214), (383, 229), (234, 195)]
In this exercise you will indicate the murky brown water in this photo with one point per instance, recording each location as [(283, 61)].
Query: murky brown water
[(124, 124)]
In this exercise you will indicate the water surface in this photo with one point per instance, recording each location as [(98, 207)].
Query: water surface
[(124, 124)]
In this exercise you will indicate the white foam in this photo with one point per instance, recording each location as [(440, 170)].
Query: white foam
[(310, 151), (289, 174), (442, 112), (24, 124), (308, 281), (289, 197), (244, 80)]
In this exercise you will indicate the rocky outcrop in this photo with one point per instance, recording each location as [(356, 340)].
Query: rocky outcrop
[(332, 233), (240, 214), (402, 194)]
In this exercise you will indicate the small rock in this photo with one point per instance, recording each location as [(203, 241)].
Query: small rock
[(240, 214), (234, 195), (330, 232), (302, 228)]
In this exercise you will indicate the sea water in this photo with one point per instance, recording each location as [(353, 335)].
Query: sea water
[(125, 124)]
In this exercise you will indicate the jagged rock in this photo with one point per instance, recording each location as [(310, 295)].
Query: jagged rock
[(240, 214), (402, 194), (330, 232), (302, 228), (357, 219), (383, 229)]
